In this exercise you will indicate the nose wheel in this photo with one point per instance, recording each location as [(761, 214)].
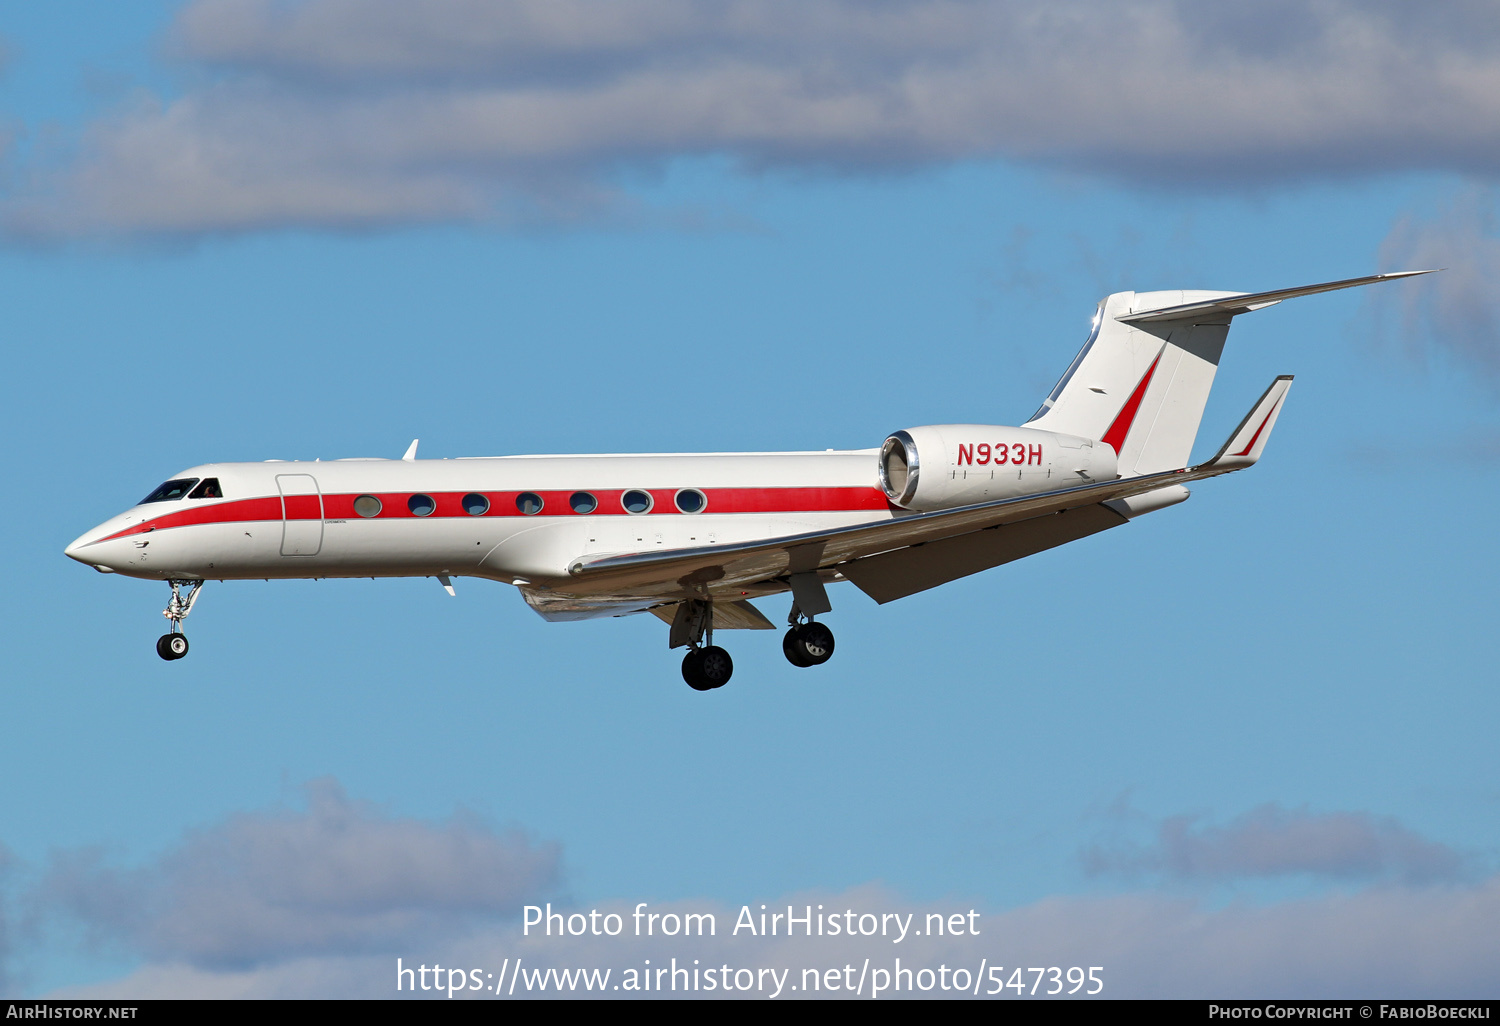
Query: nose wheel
[(175, 644), (172, 646), (808, 644)]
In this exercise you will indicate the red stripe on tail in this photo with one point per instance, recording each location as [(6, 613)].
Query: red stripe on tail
[(1115, 436)]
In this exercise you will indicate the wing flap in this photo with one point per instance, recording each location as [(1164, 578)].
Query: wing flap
[(728, 616), (903, 572)]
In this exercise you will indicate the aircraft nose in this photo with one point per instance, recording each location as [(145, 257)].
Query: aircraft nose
[(82, 549), (75, 550)]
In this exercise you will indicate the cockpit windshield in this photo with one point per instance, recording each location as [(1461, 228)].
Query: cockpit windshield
[(171, 490)]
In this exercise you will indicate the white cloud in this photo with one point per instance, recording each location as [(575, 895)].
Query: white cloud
[(368, 113), (1271, 841), (321, 903), (339, 878), (7, 867), (1456, 316), (1397, 942)]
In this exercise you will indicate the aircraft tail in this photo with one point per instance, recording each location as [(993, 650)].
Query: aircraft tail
[(1142, 379)]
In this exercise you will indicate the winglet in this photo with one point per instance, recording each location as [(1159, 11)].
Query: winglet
[(1249, 439), (411, 451)]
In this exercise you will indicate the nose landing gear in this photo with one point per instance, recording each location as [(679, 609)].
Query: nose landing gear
[(174, 645)]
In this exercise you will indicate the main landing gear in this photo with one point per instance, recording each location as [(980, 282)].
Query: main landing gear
[(808, 644), (174, 645), (706, 666)]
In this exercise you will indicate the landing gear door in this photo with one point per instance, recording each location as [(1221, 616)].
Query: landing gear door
[(301, 515)]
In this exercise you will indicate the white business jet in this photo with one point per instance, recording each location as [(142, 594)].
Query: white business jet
[(693, 538)]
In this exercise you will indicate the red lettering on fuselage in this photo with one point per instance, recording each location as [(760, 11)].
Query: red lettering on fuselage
[(1000, 453)]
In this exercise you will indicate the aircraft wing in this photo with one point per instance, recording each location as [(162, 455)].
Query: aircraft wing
[(717, 568)]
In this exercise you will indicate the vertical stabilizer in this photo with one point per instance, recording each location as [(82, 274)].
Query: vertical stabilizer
[(1141, 388), (1142, 379)]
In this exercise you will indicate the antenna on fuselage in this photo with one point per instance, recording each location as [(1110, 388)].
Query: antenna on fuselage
[(411, 450)]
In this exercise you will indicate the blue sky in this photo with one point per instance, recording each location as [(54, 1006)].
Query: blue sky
[(1270, 705)]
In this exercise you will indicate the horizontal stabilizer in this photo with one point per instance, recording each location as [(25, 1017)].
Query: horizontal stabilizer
[(1231, 305)]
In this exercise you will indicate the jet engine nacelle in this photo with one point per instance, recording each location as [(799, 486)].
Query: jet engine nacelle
[(945, 465)]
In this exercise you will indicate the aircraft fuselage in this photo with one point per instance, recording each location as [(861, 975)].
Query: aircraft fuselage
[(511, 519)]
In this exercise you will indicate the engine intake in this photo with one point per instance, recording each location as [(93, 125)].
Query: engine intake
[(900, 468)]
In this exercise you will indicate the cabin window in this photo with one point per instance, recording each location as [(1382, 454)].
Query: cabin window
[(367, 506), (691, 500), (529, 503), (636, 501), (421, 505), (171, 490), (476, 505), (583, 502), (209, 489)]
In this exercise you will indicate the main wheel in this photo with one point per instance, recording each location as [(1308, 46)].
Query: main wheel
[(791, 648), (172, 646), (707, 668), (692, 671), (811, 644)]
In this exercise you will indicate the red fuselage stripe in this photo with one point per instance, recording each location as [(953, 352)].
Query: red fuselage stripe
[(503, 504)]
